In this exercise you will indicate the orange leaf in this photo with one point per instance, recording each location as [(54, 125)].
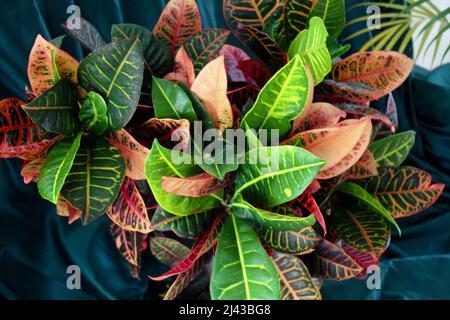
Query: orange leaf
[(353, 156), (211, 87), (133, 152), (341, 145), (40, 66), (364, 168), (196, 187), (384, 71), (128, 210), (317, 115), (183, 70)]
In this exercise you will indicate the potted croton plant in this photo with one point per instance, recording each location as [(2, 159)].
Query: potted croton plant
[(148, 128)]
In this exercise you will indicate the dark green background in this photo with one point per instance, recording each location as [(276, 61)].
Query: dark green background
[(36, 246)]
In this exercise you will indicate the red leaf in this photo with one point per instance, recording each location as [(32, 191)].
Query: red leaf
[(308, 202), (129, 243), (179, 20), (364, 259), (239, 96), (128, 210), (31, 169), (183, 70), (358, 111), (169, 132), (344, 92), (204, 244), (65, 209), (255, 72), (133, 152), (233, 57), (198, 186)]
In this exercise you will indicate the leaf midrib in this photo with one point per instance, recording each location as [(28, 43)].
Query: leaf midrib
[(241, 259)]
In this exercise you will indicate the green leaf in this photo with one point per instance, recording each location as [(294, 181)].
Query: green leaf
[(158, 60), (95, 178), (282, 99), (242, 270), (190, 226), (332, 13), (164, 162), (311, 45), (337, 50), (57, 42), (358, 192), (205, 46), (116, 72), (168, 251), (57, 166), (266, 219), (360, 228), (392, 150), (296, 283), (272, 176), (170, 101), (93, 113), (56, 109)]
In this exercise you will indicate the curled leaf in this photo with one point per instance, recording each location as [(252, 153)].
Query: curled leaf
[(211, 87), (317, 115)]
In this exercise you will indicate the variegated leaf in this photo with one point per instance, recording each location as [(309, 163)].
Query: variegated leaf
[(262, 45), (95, 178), (128, 210), (362, 228), (179, 20), (311, 45), (296, 283), (65, 209), (203, 245), (183, 69), (332, 262), (344, 92), (365, 167), (332, 13), (198, 186), (242, 270), (41, 66), (341, 145), (116, 72), (283, 173), (190, 226), (392, 150), (317, 115), (168, 251), (205, 45), (403, 191), (384, 71), (282, 99), (132, 151), (19, 136), (129, 243), (56, 110), (168, 132), (211, 87), (86, 34)]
